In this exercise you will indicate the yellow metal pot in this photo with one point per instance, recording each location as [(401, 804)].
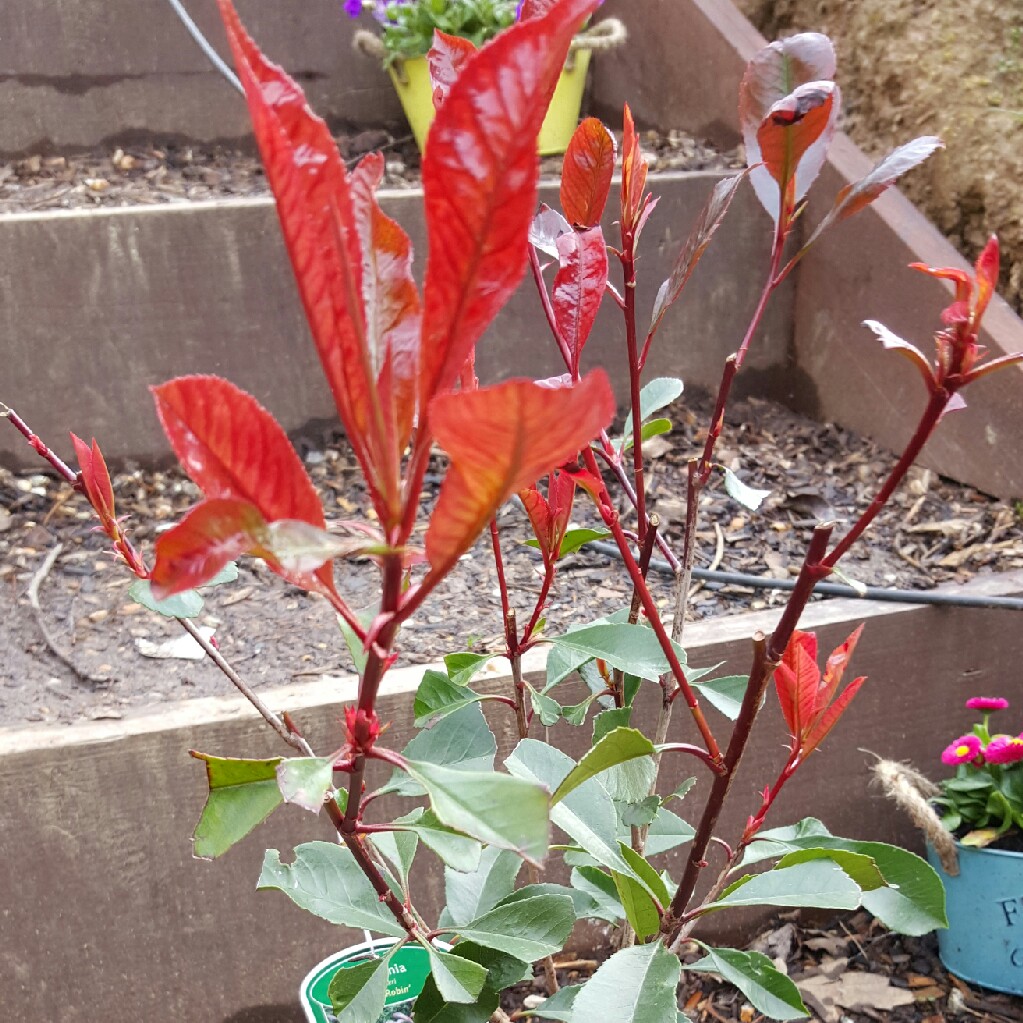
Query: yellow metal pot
[(412, 80)]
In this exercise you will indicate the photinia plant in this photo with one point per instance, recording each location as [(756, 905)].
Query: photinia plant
[(401, 365)]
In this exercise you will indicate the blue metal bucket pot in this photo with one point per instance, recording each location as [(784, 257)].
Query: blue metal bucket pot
[(984, 941)]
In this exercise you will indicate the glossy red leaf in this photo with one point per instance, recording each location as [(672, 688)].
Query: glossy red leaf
[(794, 139), (535, 8), (771, 75), (391, 300), (549, 515), (480, 179), (836, 665), (204, 541), (309, 181), (95, 479), (586, 173), (447, 59), (829, 718), (893, 343), (986, 271), (579, 287), (711, 216), (634, 172), (501, 440)]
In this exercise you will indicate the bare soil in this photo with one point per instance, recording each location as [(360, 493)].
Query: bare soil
[(84, 653), (952, 68)]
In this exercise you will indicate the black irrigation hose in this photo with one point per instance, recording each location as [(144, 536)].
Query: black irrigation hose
[(757, 582)]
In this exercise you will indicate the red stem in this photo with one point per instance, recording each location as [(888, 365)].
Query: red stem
[(628, 259), (62, 468), (548, 309)]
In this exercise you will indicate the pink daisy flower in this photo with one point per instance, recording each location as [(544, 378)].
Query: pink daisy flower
[(1004, 749), (962, 751), (987, 703)]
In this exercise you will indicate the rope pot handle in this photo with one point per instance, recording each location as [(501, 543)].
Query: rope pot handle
[(604, 35), (911, 791)]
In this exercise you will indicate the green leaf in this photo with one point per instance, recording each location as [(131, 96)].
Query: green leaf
[(558, 1006), (187, 604), (817, 884), (527, 929), (365, 615), (454, 849), (399, 847), (748, 497), (668, 831), (462, 741), (657, 394), (639, 815), (438, 696), (464, 666), (494, 808), (640, 910), (617, 747), (600, 887), (470, 895), (587, 815), (546, 709), (243, 793), (576, 538), (502, 971), (646, 875), (575, 714), (724, 694), (608, 720), (767, 989), (636, 985), (862, 869), (631, 648), (631, 781), (766, 845), (305, 781), (583, 905), (326, 880), (682, 791), (360, 991), (457, 979)]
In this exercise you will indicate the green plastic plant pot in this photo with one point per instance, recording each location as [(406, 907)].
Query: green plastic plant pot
[(983, 944), (412, 82), (407, 972)]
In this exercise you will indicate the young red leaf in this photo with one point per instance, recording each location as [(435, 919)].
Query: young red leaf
[(579, 287), (501, 440), (204, 541), (634, 171), (794, 139), (893, 343), (549, 515), (586, 173), (391, 300), (233, 448), (829, 717), (711, 216), (855, 197), (986, 272), (314, 204), (447, 58), (535, 9), (770, 76), (480, 179), (96, 480)]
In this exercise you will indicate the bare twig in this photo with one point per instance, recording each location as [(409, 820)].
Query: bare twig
[(51, 643)]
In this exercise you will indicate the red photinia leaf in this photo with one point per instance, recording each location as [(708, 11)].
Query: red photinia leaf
[(96, 480), (391, 300), (233, 448), (309, 182), (770, 76), (480, 179), (986, 272), (501, 440), (204, 541), (634, 171), (855, 197), (796, 673), (579, 287), (794, 138), (586, 173), (549, 515), (829, 718), (893, 343), (447, 58), (836, 665), (535, 9), (712, 215)]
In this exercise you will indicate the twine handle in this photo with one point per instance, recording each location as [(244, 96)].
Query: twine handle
[(911, 791)]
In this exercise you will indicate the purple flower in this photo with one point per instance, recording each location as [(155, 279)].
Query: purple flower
[(987, 703), (962, 751), (1004, 749), (353, 8)]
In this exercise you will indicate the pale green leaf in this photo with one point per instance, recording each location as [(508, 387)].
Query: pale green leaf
[(818, 884), (359, 992), (766, 988), (636, 985), (305, 781), (657, 394), (458, 980), (748, 497), (617, 747), (469, 895), (527, 929), (631, 648)]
